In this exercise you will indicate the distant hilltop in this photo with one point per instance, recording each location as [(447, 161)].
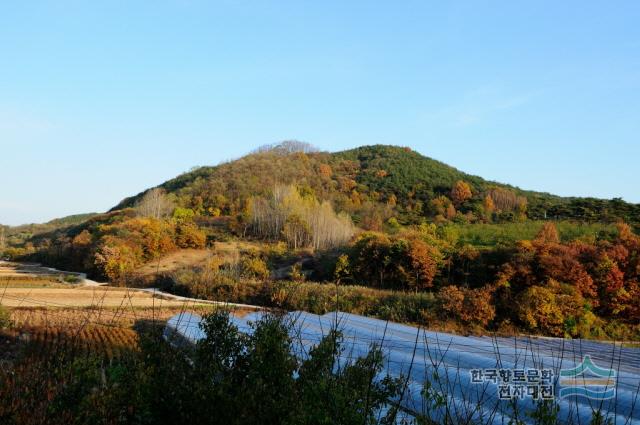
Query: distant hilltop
[(372, 180)]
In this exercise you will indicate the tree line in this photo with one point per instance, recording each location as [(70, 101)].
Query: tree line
[(302, 221)]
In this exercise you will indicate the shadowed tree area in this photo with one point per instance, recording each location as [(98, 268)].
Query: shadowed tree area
[(227, 378)]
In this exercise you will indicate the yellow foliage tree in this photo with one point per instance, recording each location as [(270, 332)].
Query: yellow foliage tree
[(460, 192)]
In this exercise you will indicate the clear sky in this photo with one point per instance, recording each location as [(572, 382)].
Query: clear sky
[(100, 100)]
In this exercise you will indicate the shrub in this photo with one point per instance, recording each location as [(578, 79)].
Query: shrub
[(254, 267), (227, 378), (450, 300), (5, 318), (70, 278), (478, 306), (249, 379), (537, 308), (467, 305), (190, 236), (297, 275)]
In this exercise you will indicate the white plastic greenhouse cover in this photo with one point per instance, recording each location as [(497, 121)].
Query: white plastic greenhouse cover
[(446, 360)]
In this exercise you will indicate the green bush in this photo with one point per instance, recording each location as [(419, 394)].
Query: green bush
[(5, 318), (228, 378), (70, 278)]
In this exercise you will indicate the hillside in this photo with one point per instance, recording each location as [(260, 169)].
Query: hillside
[(57, 223), (19, 235), (375, 180), (408, 238)]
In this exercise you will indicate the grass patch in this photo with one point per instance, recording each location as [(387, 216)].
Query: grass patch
[(506, 234)]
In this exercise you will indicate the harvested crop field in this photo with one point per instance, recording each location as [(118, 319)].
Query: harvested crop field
[(101, 340), (82, 297), (35, 299), (124, 317)]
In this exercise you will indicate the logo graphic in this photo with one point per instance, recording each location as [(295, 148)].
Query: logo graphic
[(512, 384), (588, 380)]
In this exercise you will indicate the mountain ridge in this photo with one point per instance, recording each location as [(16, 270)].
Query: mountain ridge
[(370, 173), (204, 171)]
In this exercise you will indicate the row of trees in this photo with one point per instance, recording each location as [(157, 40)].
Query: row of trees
[(155, 204), (394, 262), (543, 285), (462, 205), (560, 287), (300, 219)]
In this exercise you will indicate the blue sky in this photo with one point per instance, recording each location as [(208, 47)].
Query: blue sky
[(100, 100)]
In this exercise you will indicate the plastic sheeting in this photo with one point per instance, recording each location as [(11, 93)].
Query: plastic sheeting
[(446, 361)]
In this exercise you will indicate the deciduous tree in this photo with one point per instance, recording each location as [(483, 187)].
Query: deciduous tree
[(548, 233), (155, 204), (460, 192), (424, 260)]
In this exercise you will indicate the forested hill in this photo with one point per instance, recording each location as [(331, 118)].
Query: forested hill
[(375, 183), (18, 235)]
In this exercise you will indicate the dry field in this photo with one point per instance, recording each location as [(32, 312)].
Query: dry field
[(82, 297), (175, 261), (122, 317), (110, 341), (35, 286), (36, 296), (195, 257)]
